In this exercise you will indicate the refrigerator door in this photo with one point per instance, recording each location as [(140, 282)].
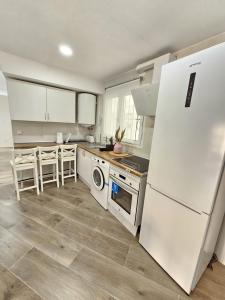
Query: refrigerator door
[(189, 135), (173, 235)]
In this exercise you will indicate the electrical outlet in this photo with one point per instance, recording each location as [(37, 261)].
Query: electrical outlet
[(19, 132)]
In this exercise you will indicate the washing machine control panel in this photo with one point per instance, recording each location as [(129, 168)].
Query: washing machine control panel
[(101, 161)]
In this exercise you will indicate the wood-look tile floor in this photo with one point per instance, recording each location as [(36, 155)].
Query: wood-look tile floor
[(63, 245)]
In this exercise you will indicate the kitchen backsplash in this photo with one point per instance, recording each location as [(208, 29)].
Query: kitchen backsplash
[(38, 131)]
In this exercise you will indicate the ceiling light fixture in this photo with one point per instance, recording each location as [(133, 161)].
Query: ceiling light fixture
[(65, 50)]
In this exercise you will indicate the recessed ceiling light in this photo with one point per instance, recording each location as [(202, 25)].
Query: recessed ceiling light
[(65, 50)]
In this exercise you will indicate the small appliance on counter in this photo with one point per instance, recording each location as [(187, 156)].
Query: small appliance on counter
[(90, 138), (108, 147), (59, 138), (68, 137)]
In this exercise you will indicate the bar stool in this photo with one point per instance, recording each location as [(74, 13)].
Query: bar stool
[(49, 156), (68, 153), (24, 159)]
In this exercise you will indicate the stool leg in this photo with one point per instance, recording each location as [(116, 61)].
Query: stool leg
[(62, 171), (41, 177), (36, 179), (53, 175), (21, 181), (75, 171), (70, 167), (16, 183), (57, 174)]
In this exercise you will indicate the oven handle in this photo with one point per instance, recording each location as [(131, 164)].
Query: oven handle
[(124, 186)]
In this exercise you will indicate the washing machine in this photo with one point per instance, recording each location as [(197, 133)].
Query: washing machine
[(100, 180)]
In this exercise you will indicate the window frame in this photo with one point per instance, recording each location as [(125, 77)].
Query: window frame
[(119, 117), (120, 94)]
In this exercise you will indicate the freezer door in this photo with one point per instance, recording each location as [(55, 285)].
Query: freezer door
[(189, 134), (173, 235)]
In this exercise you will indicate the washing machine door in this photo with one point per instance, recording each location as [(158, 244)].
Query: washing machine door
[(98, 178)]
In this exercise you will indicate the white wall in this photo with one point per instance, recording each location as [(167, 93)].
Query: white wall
[(96, 131), (3, 85), (220, 249), (6, 139), (27, 69), (24, 131)]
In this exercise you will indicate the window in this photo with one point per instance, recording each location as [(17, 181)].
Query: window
[(110, 115), (119, 110)]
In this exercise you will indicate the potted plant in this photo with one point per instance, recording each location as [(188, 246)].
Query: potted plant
[(118, 147)]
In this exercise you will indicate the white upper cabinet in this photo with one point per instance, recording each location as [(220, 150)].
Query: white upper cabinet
[(34, 102), (86, 109), (60, 105), (27, 101)]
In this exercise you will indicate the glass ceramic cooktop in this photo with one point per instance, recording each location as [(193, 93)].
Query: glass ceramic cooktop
[(134, 162)]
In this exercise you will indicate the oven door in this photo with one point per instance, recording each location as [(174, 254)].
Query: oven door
[(124, 199)]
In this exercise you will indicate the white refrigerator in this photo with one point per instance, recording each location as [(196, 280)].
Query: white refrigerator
[(185, 194)]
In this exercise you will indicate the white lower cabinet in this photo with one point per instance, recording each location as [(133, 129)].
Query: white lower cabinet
[(84, 166)]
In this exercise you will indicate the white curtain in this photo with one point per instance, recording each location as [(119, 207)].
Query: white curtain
[(119, 110)]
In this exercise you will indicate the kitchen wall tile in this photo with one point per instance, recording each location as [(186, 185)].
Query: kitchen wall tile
[(39, 131)]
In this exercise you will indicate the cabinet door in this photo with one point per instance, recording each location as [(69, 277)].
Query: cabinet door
[(88, 167), (60, 105), (84, 166), (80, 161), (86, 109), (27, 101)]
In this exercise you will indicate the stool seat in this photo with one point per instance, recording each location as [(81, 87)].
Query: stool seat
[(21, 166), (46, 156), (23, 159), (66, 154)]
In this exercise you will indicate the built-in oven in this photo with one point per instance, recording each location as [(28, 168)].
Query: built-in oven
[(123, 194)]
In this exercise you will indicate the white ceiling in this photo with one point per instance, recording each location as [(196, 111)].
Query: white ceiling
[(108, 36)]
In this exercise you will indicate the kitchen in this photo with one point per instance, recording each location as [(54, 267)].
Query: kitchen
[(137, 211)]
